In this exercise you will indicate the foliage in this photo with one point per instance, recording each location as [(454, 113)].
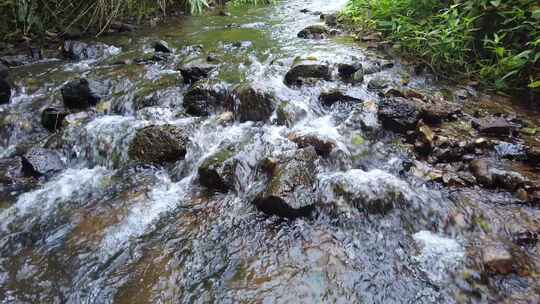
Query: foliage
[(497, 40), (24, 17)]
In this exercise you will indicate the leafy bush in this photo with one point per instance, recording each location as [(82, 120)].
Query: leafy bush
[(496, 40)]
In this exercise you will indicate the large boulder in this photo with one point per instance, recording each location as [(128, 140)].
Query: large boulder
[(77, 50), (39, 162), (159, 144), (306, 72), (206, 97), (196, 71), (217, 171), (314, 32), (253, 103), (52, 119), (398, 114), (332, 97), (5, 91), (80, 94), (291, 189)]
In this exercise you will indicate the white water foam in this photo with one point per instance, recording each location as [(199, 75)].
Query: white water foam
[(165, 197), (439, 255), (73, 184)]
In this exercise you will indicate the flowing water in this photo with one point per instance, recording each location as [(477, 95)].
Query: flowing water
[(108, 231)]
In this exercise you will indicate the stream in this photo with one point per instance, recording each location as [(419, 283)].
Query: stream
[(107, 229)]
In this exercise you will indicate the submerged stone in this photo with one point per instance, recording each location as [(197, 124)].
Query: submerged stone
[(497, 259), (159, 144), (374, 192)]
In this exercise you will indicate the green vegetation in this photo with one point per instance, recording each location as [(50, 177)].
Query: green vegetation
[(496, 41), (20, 18)]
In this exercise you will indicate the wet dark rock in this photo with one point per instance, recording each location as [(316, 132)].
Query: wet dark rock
[(141, 101), (304, 11), (223, 13), (16, 60), (439, 112), (212, 58), (306, 72), (39, 162), (364, 116), (77, 50), (314, 32), (322, 146), (377, 84), (217, 171), (331, 19), (287, 114), (291, 189), (53, 118), (4, 71), (372, 68), (12, 181), (5, 91), (161, 47), (533, 154), (494, 126), (206, 97), (398, 114), (488, 175), (480, 168), (347, 70), (194, 72), (392, 92), (253, 103), (497, 260), (80, 94), (335, 96), (158, 144)]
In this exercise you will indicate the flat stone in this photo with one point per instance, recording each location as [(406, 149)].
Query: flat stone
[(497, 259)]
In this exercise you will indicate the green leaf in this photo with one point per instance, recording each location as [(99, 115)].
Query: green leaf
[(535, 85)]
